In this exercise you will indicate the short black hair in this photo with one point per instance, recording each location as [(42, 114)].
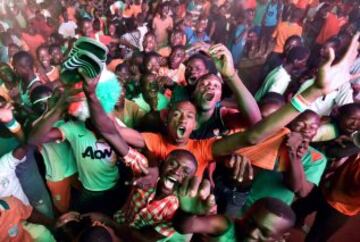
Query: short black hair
[(177, 47), (292, 38), (210, 65), (297, 53), (277, 207), (122, 65), (53, 47), (146, 60), (272, 98), (306, 113), (23, 55), (176, 103), (181, 152), (43, 46), (347, 109), (39, 92), (95, 234)]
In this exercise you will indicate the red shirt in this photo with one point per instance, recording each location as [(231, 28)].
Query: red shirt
[(33, 42), (330, 28)]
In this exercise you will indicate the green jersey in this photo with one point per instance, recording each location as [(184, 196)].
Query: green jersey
[(95, 159)]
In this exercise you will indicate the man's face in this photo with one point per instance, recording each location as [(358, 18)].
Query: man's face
[(173, 172), (165, 11), (307, 124), (153, 66), (181, 122), (176, 39), (350, 123), (300, 65), (123, 74), (149, 43), (44, 58), (208, 92), (262, 225), (23, 68), (201, 26), (150, 89), (56, 56), (194, 70), (87, 29), (112, 30), (176, 58)]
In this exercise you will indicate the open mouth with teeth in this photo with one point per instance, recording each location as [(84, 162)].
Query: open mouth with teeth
[(180, 132), (170, 182), (209, 96), (192, 80)]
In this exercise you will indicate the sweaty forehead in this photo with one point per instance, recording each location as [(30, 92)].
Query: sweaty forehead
[(211, 78), (184, 106)]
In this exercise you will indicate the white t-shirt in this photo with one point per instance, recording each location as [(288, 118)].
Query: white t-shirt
[(324, 105), (276, 81), (9, 183), (67, 29), (355, 69)]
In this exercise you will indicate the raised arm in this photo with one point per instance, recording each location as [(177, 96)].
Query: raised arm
[(117, 136), (8, 119), (329, 78), (43, 131), (245, 101)]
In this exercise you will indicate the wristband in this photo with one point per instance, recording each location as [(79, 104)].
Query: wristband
[(13, 126), (299, 103)]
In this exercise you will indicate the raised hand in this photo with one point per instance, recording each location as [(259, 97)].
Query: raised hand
[(195, 197), (89, 84), (240, 166), (296, 145), (330, 77), (67, 217), (147, 181), (223, 60), (6, 113), (62, 99)]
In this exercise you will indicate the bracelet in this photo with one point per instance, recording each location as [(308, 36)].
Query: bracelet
[(13, 126), (299, 103)]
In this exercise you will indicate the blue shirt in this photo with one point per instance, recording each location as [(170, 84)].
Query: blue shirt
[(271, 14), (194, 38)]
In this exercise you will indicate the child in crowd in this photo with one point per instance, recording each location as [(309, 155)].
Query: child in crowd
[(240, 35), (162, 25), (43, 56)]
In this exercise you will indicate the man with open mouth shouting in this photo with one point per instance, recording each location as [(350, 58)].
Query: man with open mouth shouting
[(155, 207), (181, 119)]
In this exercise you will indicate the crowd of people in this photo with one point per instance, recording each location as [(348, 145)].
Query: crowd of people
[(178, 120)]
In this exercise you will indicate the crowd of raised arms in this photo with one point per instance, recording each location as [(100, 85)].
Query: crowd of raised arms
[(178, 120)]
